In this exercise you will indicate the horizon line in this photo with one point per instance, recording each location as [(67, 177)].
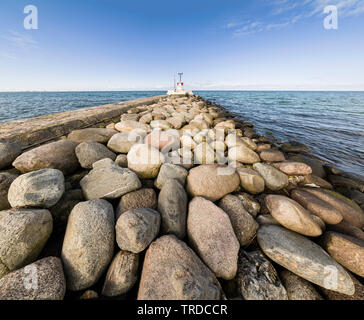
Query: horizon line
[(198, 90)]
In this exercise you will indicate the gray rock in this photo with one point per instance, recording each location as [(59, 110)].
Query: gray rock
[(88, 244), (250, 204), (172, 205), (50, 283), (274, 179), (6, 179), (109, 182), (257, 279), (212, 181), (304, 258), (122, 160), (103, 163), (136, 229), (142, 198), (270, 155), (42, 188), (89, 152), (244, 225), (55, 155), (292, 215), (8, 153), (172, 271), (145, 161), (170, 171), (350, 211), (122, 274), (101, 135), (122, 142), (210, 231), (298, 288), (23, 234)]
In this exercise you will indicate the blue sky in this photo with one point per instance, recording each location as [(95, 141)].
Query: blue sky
[(138, 45)]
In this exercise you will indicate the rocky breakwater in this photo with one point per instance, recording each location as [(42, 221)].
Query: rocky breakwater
[(177, 200)]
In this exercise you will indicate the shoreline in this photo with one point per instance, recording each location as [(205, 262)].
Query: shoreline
[(189, 184)]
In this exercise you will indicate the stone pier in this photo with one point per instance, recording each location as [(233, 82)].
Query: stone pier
[(31, 132)]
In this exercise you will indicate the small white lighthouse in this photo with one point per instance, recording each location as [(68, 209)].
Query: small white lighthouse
[(178, 89)]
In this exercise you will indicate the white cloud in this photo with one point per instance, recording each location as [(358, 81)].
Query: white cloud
[(296, 10), (20, 39)]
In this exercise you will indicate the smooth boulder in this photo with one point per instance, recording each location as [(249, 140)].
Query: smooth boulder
[(348, 209), (346, 250), (88, 244), (244, 225), (292, 215), (137, 228), (320, 208), (298, 288), (173, 271), (293, 168), (142, 198), (209, 228), (243, 154), (170, 171), (123, 141), (42, 188), (274, 179), (101, 135), (271, 155), (172, 205), (55, 155), (145, 161), (212, 181), (304, 258), (90, 152), (251, 180), (122, 274), (23, 234), (50, 282), (109, 182)]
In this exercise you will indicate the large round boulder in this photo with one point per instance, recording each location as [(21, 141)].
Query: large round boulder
[(123, 141), (101, 135), (210, 231), (172, 271), (172, 205), (42, 188), (145, 161), (89, 152), (292, 215), (41, 280), (23, 234), (274, 179), (304, 258), (137, 228), (88, 244), (212, 181), (55, 155), (122, 274), (109, 182)]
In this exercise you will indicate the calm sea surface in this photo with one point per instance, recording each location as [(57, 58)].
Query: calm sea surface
[(330, 123)]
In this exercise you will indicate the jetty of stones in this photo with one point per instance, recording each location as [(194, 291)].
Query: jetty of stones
[(172, 198)]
